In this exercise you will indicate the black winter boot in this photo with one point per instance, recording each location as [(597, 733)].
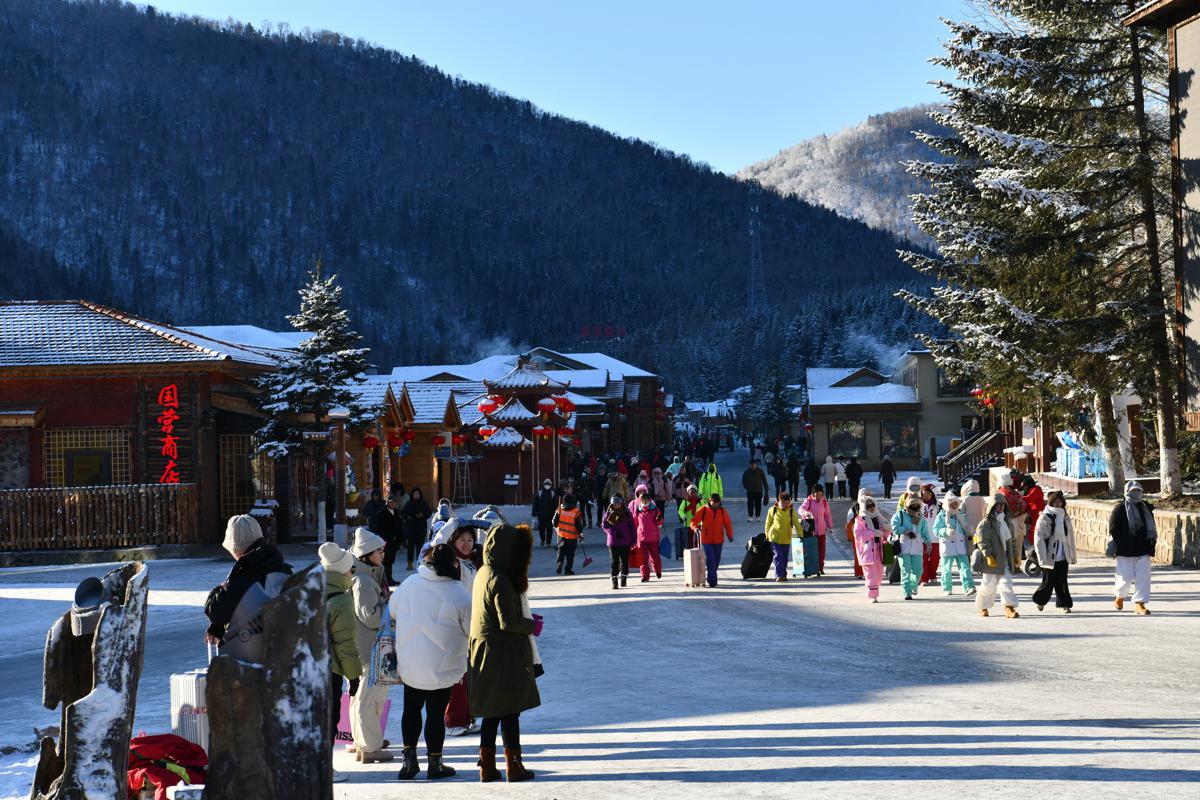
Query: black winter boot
[(411, 767), (437, 769), (623, 577), (614, 577)]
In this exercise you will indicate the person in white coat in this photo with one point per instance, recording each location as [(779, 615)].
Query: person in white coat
[(369, 589), (432, 610), (994, 536), (1054, 543), (839, 475), (829, 476), (974, 504), (951, 529)]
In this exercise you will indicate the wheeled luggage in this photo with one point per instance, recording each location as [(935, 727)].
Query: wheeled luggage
[(189, 709), (694, 567), (806, 558), (757, 561)]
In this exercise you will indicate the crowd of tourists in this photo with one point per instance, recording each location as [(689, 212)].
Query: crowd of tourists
[(463, 635)]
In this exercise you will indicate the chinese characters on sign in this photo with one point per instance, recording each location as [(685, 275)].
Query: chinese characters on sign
[(168, 403)]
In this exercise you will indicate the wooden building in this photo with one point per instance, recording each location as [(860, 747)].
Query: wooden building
[(117, 431)]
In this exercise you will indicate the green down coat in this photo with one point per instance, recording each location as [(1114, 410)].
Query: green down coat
[(343, 626), (500, 661)]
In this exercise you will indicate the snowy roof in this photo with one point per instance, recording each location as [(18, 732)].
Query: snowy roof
[(581, 378), (80, 333), (251, 336), (512, 411), (615, 367), (525, 376), (714, 408), (372, 392), (827, 377), (883, 394), (506, 437), (616, 390), (584, 403), (597, 369), (430, 402)]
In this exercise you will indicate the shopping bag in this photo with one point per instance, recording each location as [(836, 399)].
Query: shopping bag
[(664, 547), (383, 668), (635, 557), (889, 554), (344, 732)]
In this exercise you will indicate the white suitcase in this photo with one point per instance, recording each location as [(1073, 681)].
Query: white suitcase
[(189, 710)]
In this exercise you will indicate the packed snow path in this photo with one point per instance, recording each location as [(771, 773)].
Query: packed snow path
[(753, 686)]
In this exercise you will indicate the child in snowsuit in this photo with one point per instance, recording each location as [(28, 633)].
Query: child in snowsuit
[(870, 530), (913, 538), (950, 527)]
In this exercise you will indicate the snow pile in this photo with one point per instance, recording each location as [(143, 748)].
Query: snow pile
[(16, 776)]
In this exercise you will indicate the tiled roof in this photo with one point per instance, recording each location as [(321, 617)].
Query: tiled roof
[(79, 333), (581, 378), (526, 377), (632, 391), (429, 402), (585, 404), (372, 393), (512, 411), (506, 437), (616, 390)]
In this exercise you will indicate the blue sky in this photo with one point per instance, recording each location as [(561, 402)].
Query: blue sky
[(728, 82)]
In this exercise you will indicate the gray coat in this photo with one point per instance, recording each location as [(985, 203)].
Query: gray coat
[(368, 606), (991, 542)]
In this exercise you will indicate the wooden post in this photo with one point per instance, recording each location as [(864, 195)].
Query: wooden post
[(339, 472)]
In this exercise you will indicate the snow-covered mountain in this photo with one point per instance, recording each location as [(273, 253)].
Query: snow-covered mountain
[(858, 172)]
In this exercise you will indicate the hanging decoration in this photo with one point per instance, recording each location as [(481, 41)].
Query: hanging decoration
[(458, 440), (487, 406), (543, 430), (565, 431), (546, 405), (394, 440), (438, 440), (370, 442), (564, 404), (487, 431)]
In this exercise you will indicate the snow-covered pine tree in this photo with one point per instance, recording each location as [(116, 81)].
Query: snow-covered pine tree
[(1036, 215), (320, 377)]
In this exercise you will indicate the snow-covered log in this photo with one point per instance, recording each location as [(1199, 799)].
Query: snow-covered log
[(94, 676)]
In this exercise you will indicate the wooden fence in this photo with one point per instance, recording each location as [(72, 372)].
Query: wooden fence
[(98, 517)]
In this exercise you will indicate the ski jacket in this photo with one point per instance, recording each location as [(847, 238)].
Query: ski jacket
[(822, 516), (713, 524), (780, 523), (953, 533), (904, 524), (754, 481), (710, 483), (648, 522), (619, 533), (343, 627), (869, 539), (433, 620), (688, 510), (974, 505), (370, 597), (616, 485)]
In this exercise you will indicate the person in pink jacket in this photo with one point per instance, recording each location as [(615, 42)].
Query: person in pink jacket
[(816, 505), (871, 529), (648, 519)]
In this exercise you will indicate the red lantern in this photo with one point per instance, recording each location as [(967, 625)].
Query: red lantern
[(564, 431), (394, 440), (487, 431), (370, 442), (543, 430), (976, 392), (409, 434), (498, 399), (487, 406), (808, 426), (458, 440), (546, 405), (438, 440), (564, 404), (988, 402)]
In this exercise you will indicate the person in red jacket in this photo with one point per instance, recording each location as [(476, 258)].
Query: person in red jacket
[(712, 521), (1018, 511), (1035, 501)]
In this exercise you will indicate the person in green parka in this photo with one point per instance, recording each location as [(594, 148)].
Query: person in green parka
[(710, 483), (501, 672), (344, 660)]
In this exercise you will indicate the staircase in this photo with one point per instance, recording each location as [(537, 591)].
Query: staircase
[(972, 457)]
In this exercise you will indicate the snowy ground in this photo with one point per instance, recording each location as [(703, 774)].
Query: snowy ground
[(738, 691)]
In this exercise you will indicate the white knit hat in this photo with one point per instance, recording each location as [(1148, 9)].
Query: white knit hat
[(913, 484), (241, 531), (365, 543), (334, 558)]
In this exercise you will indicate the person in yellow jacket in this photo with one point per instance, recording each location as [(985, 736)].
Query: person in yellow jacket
[(782, 520), (710, 483)]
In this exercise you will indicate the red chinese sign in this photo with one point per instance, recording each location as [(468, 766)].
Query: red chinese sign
[(168, 403)]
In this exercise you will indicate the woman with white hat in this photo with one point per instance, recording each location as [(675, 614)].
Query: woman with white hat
[(370, 592), (344, 661), (950, 527)]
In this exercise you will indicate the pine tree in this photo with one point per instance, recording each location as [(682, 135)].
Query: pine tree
[(1041, 277), (317, 379)]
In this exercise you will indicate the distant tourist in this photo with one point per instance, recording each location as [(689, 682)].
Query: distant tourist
[(568, 522), (839, 474), (829, 476), (387, 524), (711, 483), (887, 476), (781, 525), (854, 473), (812, 476), (545, 503), (648, 521), (415, 516), (754, 482), (1134, 536)]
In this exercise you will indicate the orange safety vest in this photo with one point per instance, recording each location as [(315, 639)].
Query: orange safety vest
[(568, 523)]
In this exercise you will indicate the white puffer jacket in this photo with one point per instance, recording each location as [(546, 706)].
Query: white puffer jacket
[(973, 504), (433, 620)]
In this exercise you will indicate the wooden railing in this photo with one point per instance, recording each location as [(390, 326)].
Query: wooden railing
[(971, 456), (85, 517)]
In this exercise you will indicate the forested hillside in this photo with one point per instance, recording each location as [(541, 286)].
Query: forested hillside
[(858, 172), (193, 171)]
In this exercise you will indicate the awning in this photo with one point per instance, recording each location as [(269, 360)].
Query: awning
[(21, 417)]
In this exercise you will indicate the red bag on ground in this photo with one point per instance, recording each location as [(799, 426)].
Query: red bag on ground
[(458, 710), (163, 760), (635, 557)]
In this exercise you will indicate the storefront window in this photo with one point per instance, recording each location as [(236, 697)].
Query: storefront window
[(847, 438), (898, 438), (86, 457), (246, 475)]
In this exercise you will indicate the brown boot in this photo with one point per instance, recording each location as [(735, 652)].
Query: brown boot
[(1141, 609), (983, 612), (487, 765), (1010, 612), (514, 768), (1119, 603)]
